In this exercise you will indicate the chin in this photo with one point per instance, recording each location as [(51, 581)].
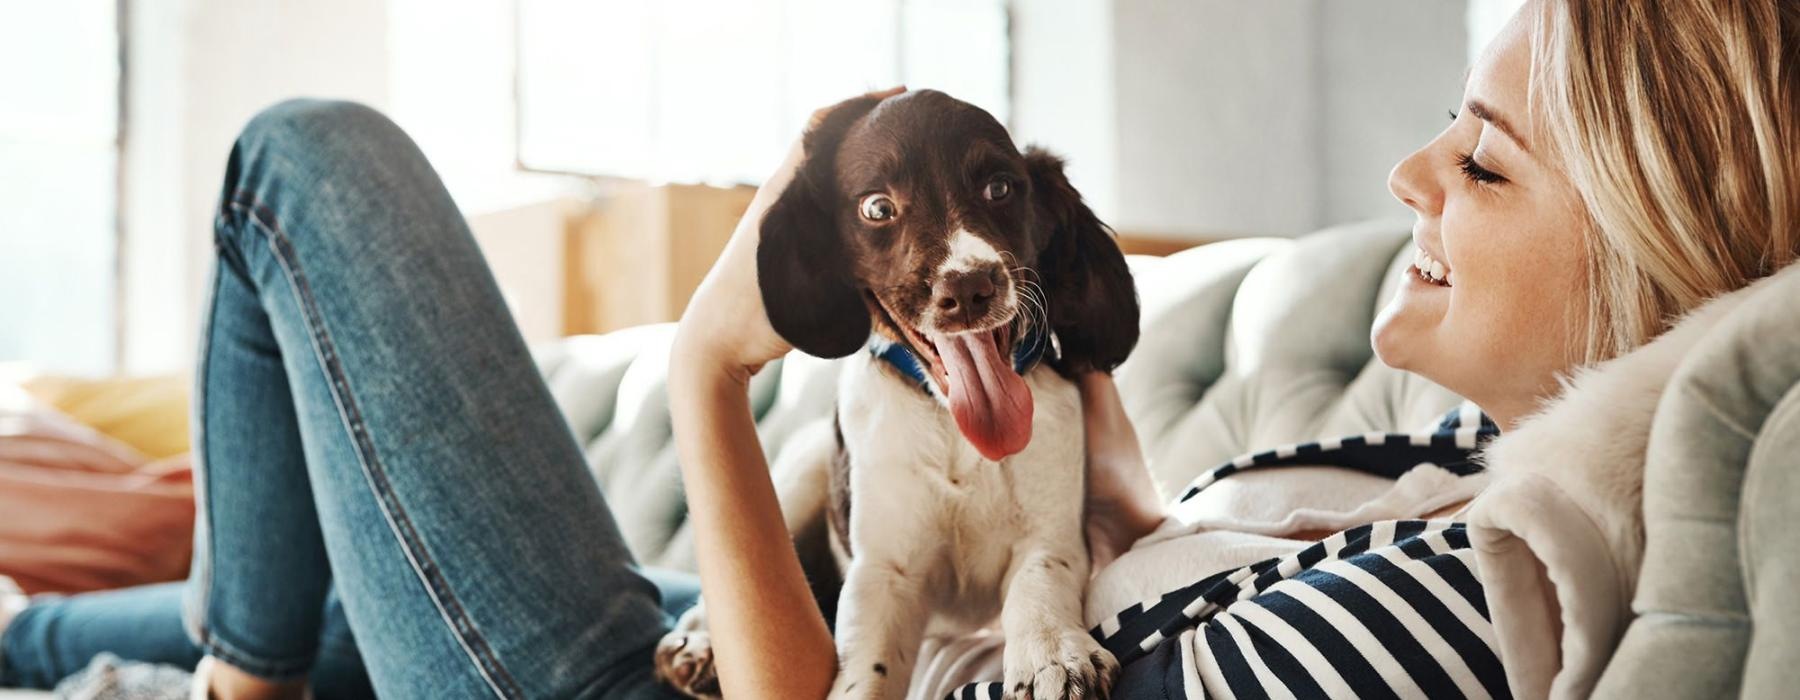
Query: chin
[(1413, 349), (1397, 346)]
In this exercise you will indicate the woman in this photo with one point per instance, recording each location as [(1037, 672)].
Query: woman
[(361, 376)]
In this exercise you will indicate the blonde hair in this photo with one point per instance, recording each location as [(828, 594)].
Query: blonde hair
[(1676, 121)]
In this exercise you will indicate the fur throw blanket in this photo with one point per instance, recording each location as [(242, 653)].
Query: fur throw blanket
[(1559, 535)]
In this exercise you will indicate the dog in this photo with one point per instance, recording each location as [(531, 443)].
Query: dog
[(967, 283)]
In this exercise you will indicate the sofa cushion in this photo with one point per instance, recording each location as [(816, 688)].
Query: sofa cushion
[(1721, 487), (1246, 343), (1253, 343)]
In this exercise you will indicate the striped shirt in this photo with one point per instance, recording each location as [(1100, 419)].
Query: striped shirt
[(1392, 609)]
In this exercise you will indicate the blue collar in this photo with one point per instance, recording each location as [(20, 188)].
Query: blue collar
[(1026, 354)]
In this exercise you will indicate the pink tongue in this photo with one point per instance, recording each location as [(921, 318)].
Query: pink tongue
[(991, 403)]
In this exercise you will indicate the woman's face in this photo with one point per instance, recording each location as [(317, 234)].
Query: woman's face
[(1491, 308)]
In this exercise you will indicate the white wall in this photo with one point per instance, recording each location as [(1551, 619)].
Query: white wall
[(1390, 72), (1218, 108), (200, 69), (1230, 118), (1062, 85), (158, 316)]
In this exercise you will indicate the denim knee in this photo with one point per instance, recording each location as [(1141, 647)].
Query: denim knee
[(323, 128), (301, 143), (306, 161)]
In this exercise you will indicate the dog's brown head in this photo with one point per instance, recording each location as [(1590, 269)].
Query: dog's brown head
[(916, 217)]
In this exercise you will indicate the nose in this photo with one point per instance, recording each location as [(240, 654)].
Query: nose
[(1411, 182), (964, 296)]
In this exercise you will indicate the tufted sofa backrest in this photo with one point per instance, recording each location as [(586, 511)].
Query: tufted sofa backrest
[(1253, 343), (1716, 600), (1246, 344)]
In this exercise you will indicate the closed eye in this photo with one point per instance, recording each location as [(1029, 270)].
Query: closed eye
[(1476, 173)]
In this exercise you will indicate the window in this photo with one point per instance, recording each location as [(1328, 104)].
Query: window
[(715, 90), (59, 129)]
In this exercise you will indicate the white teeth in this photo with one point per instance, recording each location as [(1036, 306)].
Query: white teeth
[(1430, 268)]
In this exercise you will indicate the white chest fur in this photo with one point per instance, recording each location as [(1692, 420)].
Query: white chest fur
[(922, 498), (944, 540)]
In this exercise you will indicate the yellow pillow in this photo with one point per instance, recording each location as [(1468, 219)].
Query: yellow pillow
[(148, 413)]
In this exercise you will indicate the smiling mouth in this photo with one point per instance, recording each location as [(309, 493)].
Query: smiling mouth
[(1429, 269)]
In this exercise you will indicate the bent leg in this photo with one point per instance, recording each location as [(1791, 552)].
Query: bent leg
[(474, 554), (256, 590)]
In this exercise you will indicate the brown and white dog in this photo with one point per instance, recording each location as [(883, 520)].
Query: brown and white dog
[(916, 220)]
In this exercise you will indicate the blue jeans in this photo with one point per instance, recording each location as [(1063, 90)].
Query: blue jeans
[(374, 443)]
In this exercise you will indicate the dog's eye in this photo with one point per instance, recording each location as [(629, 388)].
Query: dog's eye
[(878, 207), (997, 189)]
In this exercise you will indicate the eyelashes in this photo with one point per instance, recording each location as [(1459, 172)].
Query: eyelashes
[(1474, 172)]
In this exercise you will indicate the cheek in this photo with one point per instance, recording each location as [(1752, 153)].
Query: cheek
[(1520, 291), (1518, 267)]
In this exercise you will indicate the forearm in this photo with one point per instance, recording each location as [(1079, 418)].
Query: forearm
[(1113, 447), (770, 638)]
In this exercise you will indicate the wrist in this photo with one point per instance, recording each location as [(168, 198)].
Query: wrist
[(701, 387), (697, 360)]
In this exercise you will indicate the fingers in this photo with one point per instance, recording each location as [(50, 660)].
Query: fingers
[(890, 92), (818, 115)]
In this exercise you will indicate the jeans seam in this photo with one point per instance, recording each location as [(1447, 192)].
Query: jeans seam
[(449, 606), (255, 665), (195, 616)]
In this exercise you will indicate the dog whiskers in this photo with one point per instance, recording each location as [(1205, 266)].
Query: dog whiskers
[(1032, 305)]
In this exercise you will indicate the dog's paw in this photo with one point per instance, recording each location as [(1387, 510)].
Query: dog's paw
[(1059, 665), (684, 660)]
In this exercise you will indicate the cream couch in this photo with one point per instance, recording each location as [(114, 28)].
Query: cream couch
[(1246, 343), (1251, 343), (1257, 342)]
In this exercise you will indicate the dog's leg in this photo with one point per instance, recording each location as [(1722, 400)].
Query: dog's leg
[(881, 621), (684, 656), (1049, 655)]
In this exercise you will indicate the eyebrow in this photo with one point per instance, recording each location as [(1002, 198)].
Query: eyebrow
[(1486, 114)]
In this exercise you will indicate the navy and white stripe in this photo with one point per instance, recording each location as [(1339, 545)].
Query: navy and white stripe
[(1451, 444), (977, 691), (1391, 609)]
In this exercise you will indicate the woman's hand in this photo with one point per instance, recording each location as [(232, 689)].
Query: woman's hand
[(725, 328), (1122, 501), (769, 640)]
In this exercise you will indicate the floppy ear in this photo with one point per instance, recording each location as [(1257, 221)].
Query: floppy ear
[(802, 267), (1093, 302)]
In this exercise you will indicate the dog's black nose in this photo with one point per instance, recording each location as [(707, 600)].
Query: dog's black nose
[(964, 295)]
